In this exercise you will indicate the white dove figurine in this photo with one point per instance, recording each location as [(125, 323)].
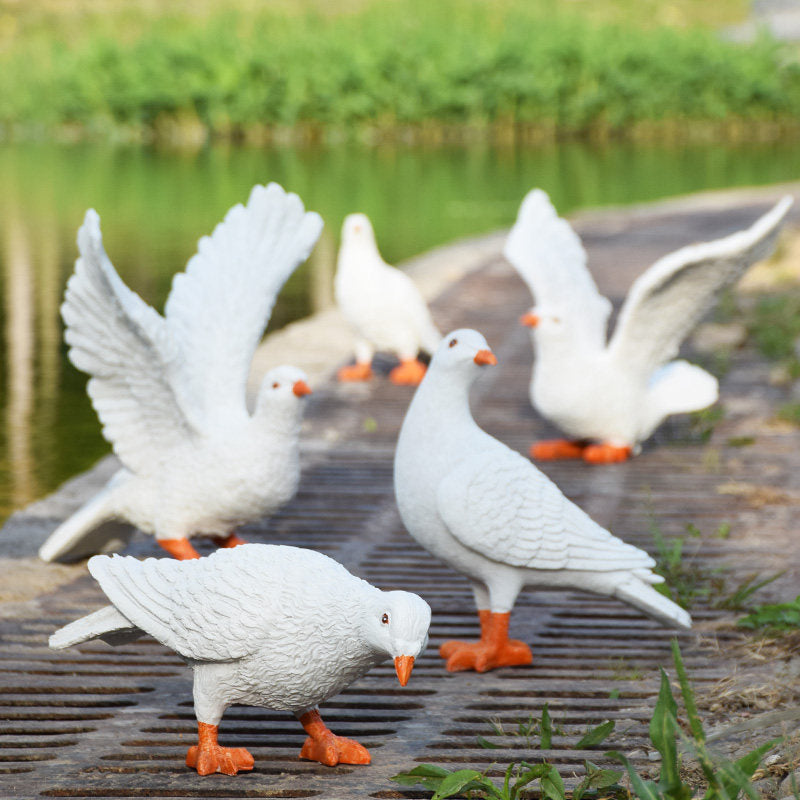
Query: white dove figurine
[(383, 306), (261, 625), (610, 396), (489, 513), (170, 391)]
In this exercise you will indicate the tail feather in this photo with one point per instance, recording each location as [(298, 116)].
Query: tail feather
[(91, 529), (654, 604), (677, 388), (106, 624)]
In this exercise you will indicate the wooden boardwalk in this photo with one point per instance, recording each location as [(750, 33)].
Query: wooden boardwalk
[(100, 722)]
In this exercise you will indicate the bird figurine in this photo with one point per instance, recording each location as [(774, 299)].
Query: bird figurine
[(263, 625), (610, 396), (170, 391), (382, 305), (493, 516)]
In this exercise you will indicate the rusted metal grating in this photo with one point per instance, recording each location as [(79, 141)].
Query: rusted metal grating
[(96, 721)]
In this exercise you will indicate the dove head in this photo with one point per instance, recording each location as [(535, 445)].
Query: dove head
[(397, 626), (281, 393), (357, 230), (461, 355), (544, 322)]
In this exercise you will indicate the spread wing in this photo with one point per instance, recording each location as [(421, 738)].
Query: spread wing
[(198, 608), (671, 297), (123, 344), (549, 256), (498, 504), (219, 307)]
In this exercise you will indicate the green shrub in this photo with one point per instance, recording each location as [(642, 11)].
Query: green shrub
[(387, 64)]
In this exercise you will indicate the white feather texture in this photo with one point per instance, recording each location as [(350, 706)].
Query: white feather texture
[(613, 391), (381, 303), (170, 391), (491, 515), (265, 625)]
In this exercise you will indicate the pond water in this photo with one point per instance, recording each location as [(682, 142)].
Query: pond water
[(155, 204)]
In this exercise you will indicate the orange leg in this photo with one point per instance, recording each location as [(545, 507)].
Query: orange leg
[(360, 371), (179, 548), (207, 757), (552, 449), (605, 453), (325, 747), (231, 540), (493, 650), (409, 373)]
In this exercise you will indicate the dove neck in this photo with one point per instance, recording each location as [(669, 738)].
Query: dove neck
[(443, 401), (276, 421)]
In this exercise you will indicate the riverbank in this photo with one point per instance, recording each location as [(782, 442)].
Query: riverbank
[(459, 70)]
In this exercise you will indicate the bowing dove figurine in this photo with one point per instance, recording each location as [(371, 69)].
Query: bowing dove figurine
[(383, 306), (610, 396), (261, 625), (489, 513), (170, 391)]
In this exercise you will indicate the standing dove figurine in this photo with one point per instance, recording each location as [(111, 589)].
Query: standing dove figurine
[(261, 625), (170, 391), (489, 513), (610, 396), (383, 306)]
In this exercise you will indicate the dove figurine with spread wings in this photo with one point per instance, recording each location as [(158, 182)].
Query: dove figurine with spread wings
[(610, 396), (170, 391), (263, 625), (494, 517)]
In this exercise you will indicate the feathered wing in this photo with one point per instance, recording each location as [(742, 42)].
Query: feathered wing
[(549, 256), (498, 504), (209, 609), (219, 307), (670, 298), (124, 345)]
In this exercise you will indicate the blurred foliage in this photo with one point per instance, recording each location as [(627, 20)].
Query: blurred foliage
[(547, 65)]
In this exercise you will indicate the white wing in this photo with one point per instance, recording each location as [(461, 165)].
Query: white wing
[(219, 307), (498, 504), (198, 608), (123, 344), (550, 258), (670, 298)]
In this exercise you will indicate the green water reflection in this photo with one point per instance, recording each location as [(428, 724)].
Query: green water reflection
[(154, 205)]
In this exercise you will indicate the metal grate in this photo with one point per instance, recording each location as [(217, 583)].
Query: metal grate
[(96, 721)]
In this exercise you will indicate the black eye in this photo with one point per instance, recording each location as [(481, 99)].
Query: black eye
[(453, 343), (385, 619)]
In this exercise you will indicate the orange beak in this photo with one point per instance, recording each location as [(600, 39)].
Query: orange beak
[(403, 666), (530, 320), (485, 357), (301, 388)]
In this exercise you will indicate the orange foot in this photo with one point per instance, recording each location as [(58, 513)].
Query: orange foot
[(327, 748), (232, 540), (409, 373), (493, 650), (605, 453), (179, 548), (355, 372), (552, 449), (207, 757)]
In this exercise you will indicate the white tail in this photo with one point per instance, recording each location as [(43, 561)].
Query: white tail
[(654, 604), (107, 624), (84, 533)]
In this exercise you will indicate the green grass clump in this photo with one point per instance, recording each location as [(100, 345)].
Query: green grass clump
[(775, 325), (774, 617), (724, 779), (385, 65)]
